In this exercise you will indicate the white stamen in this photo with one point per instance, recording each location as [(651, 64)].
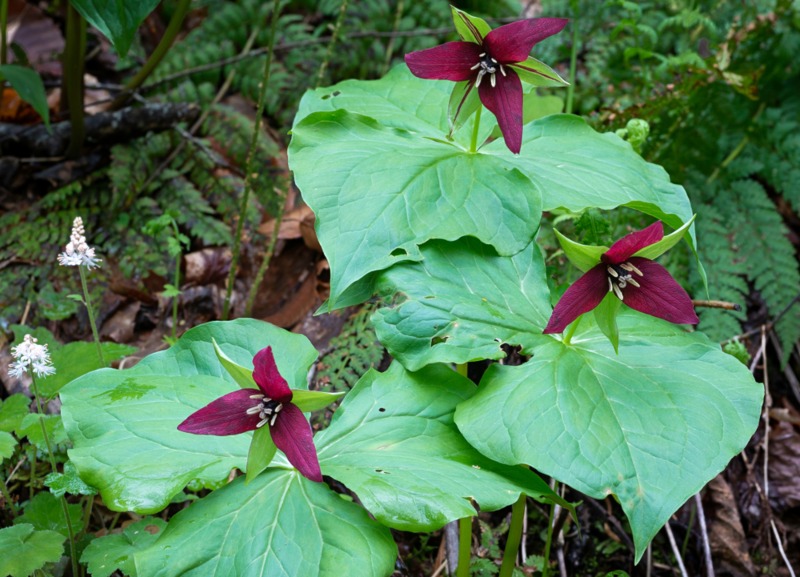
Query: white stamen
[(633, 282), (617, 291), (254, 410), (257, 397), (274, 416), (261, 423), (612, 272)]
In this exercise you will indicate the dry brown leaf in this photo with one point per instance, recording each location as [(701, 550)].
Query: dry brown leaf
[(726, 534)]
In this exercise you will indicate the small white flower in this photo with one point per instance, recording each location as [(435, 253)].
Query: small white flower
[(29, 354), (77, 252)]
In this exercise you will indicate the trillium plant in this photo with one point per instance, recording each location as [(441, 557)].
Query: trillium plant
[(454, 224)]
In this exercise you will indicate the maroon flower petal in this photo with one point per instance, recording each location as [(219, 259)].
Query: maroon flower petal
[(584, 295), (267, 377), (513, 42), (292, 435), (225, 416), (630, 244), (505, 102), (659, 295), (449, 61)]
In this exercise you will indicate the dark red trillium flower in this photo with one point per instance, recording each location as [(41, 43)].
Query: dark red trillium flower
[(491, 66), (269, 405), (641, 283)]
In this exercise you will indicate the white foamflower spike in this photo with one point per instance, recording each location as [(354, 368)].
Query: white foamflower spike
[(77, 252), (30, 354)]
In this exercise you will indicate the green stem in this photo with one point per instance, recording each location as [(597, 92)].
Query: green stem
[(92, 322), (74, 50), (548, 543), (464, 546), (514, 537), (571, 330), (248, 179), (334, 38), (7, 496), (476, 125), (573, 58), (3, 31), (736, 151), (54, 468), (158, 54), (176, 281)]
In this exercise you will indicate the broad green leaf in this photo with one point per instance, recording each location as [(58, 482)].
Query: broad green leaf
[(393, 442), (124, 422), (31, 427), (582, 256), (24, 550), (462, 302), (29, 86), (117, 20), (399, 100), (7, 445), (12, 411), (75, 359), (650, 426), (113, 552), (379, 193), (45, 513), (279, 525), (68, 482), (578, 168)]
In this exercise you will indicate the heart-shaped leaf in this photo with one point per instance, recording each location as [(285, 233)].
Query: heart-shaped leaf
[(650, 426), (123, 423), (462, 302), (394, 443), (279, 525)]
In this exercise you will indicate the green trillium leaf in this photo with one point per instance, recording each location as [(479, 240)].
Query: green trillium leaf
[(650, 426), (122, 422), (117, 21), (280, 525), (113, 552), (462, 302), (582, 256), (310, 401), (240, 374), (28, 84), (408, 190), (393, 442), (23, 549)]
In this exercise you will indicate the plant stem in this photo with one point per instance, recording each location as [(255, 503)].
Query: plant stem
[(54, 467), (74, 50), (514, 537), (476, 124), (571, 330), (334, 38), (3, 31), (176, 280), (573, 57), (158, 54), (736, 151), (464, 546), (92, 322), (7, 496), (550, 521), (248, 178)]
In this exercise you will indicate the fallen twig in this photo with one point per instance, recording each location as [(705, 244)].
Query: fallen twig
[(675, 550), (701, 516)]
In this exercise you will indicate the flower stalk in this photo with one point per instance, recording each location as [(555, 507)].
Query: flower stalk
[(514, 537)]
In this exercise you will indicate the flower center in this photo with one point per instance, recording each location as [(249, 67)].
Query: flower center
[(267, 410), (487, 65), (620, 276)]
